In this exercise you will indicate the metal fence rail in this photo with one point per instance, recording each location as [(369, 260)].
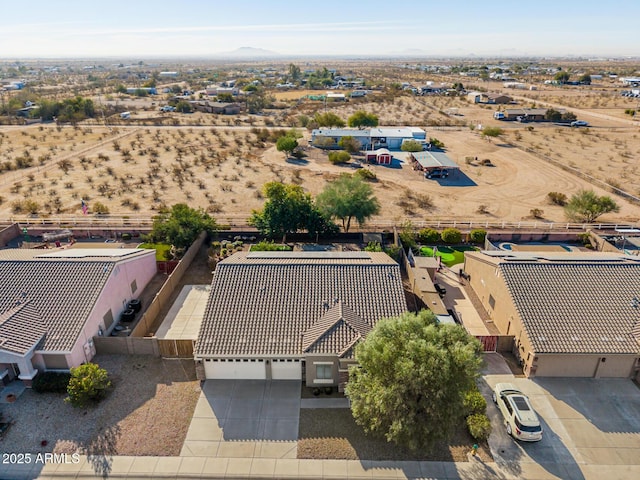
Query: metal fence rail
[(240, 222)]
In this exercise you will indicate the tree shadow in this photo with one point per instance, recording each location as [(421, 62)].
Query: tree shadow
[(297, 161), (101, 450)]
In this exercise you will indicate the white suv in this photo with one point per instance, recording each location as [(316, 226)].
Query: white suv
[(521, 421)]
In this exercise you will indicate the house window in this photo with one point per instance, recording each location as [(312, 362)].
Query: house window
[(324, 372), (134, 287), (492, 301), (108, 319)]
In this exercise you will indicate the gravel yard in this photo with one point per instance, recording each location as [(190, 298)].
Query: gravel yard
[(327, 433), (147, 412)]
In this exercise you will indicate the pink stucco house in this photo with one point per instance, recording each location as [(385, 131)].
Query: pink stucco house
[(52, 303)]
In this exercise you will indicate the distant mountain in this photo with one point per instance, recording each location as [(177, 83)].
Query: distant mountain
[(248, 53)]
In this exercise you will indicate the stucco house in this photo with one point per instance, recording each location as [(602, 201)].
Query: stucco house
[(294, 315), (573, 314), (53, 303)]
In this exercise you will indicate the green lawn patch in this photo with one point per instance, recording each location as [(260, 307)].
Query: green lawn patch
[(450, 255), (162, 250)]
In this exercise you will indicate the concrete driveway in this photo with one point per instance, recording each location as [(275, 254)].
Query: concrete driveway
[(591, 429), (245, 418)]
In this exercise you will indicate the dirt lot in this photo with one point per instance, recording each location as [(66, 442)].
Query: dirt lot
[(140, 169), (152, 398)]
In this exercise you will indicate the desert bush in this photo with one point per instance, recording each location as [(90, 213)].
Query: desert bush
[(557, 198), (482, 209), (435, 143), (100, 208), (479, 426), (373, 247), (428, 236), (339, 157), (477, 235), (451, 236), (366, 174)]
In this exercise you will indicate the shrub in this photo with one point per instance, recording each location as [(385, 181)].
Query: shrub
[(408, 238), (477, 235), (393, 251), (536, 213), (366, 174), (557, 198), (474, 403), (428, 235), (451, 235), (373, 247), (88, 384), (435, 143), (100, 208), (51, 382), (267, 246), (411, 146), (479, 426), (339, 157)]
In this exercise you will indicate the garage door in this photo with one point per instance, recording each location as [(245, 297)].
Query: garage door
[(286, 369), (235, 368)]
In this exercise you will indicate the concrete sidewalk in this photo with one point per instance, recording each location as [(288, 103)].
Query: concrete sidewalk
[(257, 468)]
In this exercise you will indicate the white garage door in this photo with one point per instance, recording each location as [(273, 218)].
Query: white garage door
[(238, 368), (286, 369)]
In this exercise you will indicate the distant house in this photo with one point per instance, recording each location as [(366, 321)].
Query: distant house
[(168, 74), (221, 108), (474, 97), (294, 315), (496, 98), (572, 314), (371, 138), (527, 114), (52, 303), (148, 90)]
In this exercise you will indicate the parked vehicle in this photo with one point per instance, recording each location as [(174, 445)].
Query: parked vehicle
[(438, 173), (499, 115), (520, 419), (579, 123)]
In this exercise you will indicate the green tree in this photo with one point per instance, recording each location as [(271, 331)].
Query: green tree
[(586, 206), (363, 119), (350, 144), (411, 146), (347, 198), (435, 143), (585, 79), (477, 235), (258, 100), (288, 209), (328, 119), (294, 72), (569, 117), (412, 378), (88, 384), (428, 236), (553, 115), (562, 77), (492, 132), (180, 226), (184, 107), (286, 144)]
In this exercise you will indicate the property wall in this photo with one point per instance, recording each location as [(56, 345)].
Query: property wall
[(9, 233), (115, 295), (150, 315), (311, 362), (574, 365)]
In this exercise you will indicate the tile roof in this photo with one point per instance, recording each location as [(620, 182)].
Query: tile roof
[(60, 292), (576, 307), (336, 331), (21, 328), (265, 304)]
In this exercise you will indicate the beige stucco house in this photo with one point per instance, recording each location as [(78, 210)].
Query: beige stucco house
[(573, 314)]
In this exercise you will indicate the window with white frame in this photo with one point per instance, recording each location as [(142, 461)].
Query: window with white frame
[(324, 372)]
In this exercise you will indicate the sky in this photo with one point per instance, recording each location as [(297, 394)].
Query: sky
[(199, 28)]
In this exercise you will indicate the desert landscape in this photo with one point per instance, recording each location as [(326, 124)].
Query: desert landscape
[(220, 162)]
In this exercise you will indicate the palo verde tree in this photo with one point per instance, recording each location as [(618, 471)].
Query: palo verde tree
[(412, 378), (180, 226), (347, 198), (286, 144), (586, 206), (288, 209), (363, 119), (328, 119)]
